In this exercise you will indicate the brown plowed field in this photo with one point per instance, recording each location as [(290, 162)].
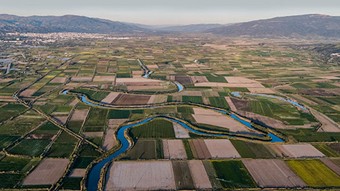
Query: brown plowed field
[(48, 172), (174, 149), (221, 148), (199, 149), (199, 175), (272, 173), (126, 99), (146, 175)]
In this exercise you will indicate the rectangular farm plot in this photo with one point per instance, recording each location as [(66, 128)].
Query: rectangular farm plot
[(146, 175), (221, 148), (143, 149), (272, 173), (233, 174), (199, 175), (110, 98), (209, 117), (180, 131), (314, 173), (127, 99), (48, 172), (174, 149), (297, 150), (182, 175), (199, 149), (79, 115)]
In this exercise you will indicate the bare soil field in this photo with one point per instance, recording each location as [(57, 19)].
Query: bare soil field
[(199, 175), (79, 115), (266, 120), (141, 175), (62, 119), (138, 80), (217, 84), (182, 175), (110, 98), (209, 117), (116, 122), (296, 150), (28, 92), (261, 90), (104, 79), (74, 102), (174, 149), (127, 99), (231, 104), (199, 79), (221, 148), (81, 79), (109, 139), (48, 172), (93, 134), (60, 80), (239, 80), (183, 79), (180, 132), (327, 124), (78, 172), (272, 173), (199, 149), (330, 164), (145, 87)]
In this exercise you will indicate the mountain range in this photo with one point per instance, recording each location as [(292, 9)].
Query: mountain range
[(291, 26)]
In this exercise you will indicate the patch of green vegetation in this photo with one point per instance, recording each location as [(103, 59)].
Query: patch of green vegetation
[(6, 140), (188, 149), (314, 173), (325, 149), (30, 147), (63, 146), (192, 99), (184, 109), (218, 102), (9, 180), (157, 128), (71, 183), (20, 126), (15, 164), (119, 114), (251, 150), (10, 110), (215, 78), (310, 135), (233, 174)]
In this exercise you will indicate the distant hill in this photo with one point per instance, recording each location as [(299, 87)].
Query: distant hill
[(291, 26), (67, 23), (194, 28)]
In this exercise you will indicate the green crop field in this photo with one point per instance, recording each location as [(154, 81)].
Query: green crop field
[(233, 174), (13, 163), (192, 99), (252, 150), (10, 110), (157, 128), (30, 147), (219, 102), (9, 180), (143, 149), (314, 173), (119, 114)]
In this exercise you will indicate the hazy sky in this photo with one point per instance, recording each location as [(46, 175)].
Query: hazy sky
[(172, 11)]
